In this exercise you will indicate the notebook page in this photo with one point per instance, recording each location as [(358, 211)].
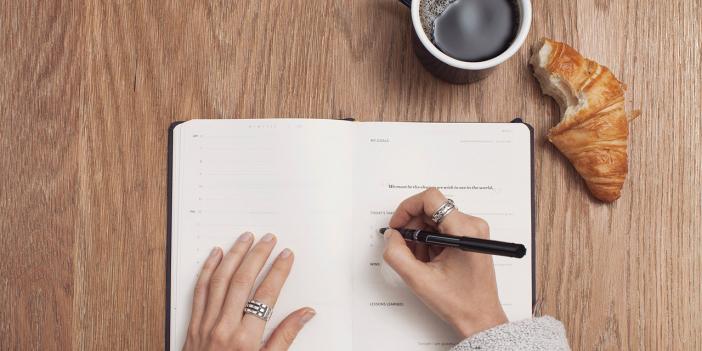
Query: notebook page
[(485, 168), (288, 177)]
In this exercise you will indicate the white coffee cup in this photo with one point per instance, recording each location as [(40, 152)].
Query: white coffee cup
[(456, 71)]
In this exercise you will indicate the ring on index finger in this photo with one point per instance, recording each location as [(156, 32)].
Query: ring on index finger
[(443, 211)]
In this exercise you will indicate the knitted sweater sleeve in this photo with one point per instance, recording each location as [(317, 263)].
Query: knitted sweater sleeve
[(542, 333)]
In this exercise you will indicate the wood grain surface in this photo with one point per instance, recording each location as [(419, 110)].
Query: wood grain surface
[(89, 88)]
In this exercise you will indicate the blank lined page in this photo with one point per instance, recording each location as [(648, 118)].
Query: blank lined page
[(288, 177)]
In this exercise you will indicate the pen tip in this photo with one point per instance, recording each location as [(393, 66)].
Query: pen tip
[(382, 230)]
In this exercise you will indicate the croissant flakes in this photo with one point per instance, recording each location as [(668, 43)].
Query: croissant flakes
[(593, 131)]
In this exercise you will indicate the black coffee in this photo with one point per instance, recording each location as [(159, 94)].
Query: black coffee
[(476, 30)]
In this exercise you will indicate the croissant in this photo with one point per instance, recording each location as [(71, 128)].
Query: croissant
[(593, 131)]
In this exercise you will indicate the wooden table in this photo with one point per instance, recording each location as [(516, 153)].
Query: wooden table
[(89, 89)]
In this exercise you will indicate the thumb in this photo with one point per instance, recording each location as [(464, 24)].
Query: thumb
[(399, 256), (284, 335)]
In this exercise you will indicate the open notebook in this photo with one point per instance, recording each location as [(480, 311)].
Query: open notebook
[(325, 187)]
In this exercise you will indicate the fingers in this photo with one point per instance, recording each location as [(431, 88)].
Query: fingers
[(243, 280), (223, 287), (474, 226), (419, 249), (269, 290), (408, 209), (201, 288), (418, 205), (284, 335), (219, 282), (424, 204), (401, 259)]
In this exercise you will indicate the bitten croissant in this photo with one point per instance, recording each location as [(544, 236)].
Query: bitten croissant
[(594, 129)]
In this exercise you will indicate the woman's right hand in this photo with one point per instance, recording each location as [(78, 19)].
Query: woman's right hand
[(459, 286)]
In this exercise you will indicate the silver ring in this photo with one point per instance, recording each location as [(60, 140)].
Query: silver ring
[(443, 211), (258, 309)]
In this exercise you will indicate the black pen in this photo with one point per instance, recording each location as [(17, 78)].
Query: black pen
[(465, 243)]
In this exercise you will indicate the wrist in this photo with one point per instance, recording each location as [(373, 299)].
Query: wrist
[(469, 326)]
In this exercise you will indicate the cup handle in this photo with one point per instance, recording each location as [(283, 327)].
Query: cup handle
[(407, 3)]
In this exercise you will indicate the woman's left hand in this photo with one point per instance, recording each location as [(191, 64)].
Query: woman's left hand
[(223, 289)]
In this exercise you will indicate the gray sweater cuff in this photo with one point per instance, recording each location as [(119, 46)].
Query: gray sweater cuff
[(543, 333)]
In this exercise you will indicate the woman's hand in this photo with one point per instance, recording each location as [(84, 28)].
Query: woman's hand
[(458, 286), (223, 289)]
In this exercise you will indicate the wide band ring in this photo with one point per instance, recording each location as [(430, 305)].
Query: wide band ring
[(443, 211), (258, 309)]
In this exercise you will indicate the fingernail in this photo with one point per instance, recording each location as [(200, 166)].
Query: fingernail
[(309, 314), (245, 237), (214, 252), (268, 237), (285, 253)]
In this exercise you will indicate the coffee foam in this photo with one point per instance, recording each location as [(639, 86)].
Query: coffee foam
[(429, 10)]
